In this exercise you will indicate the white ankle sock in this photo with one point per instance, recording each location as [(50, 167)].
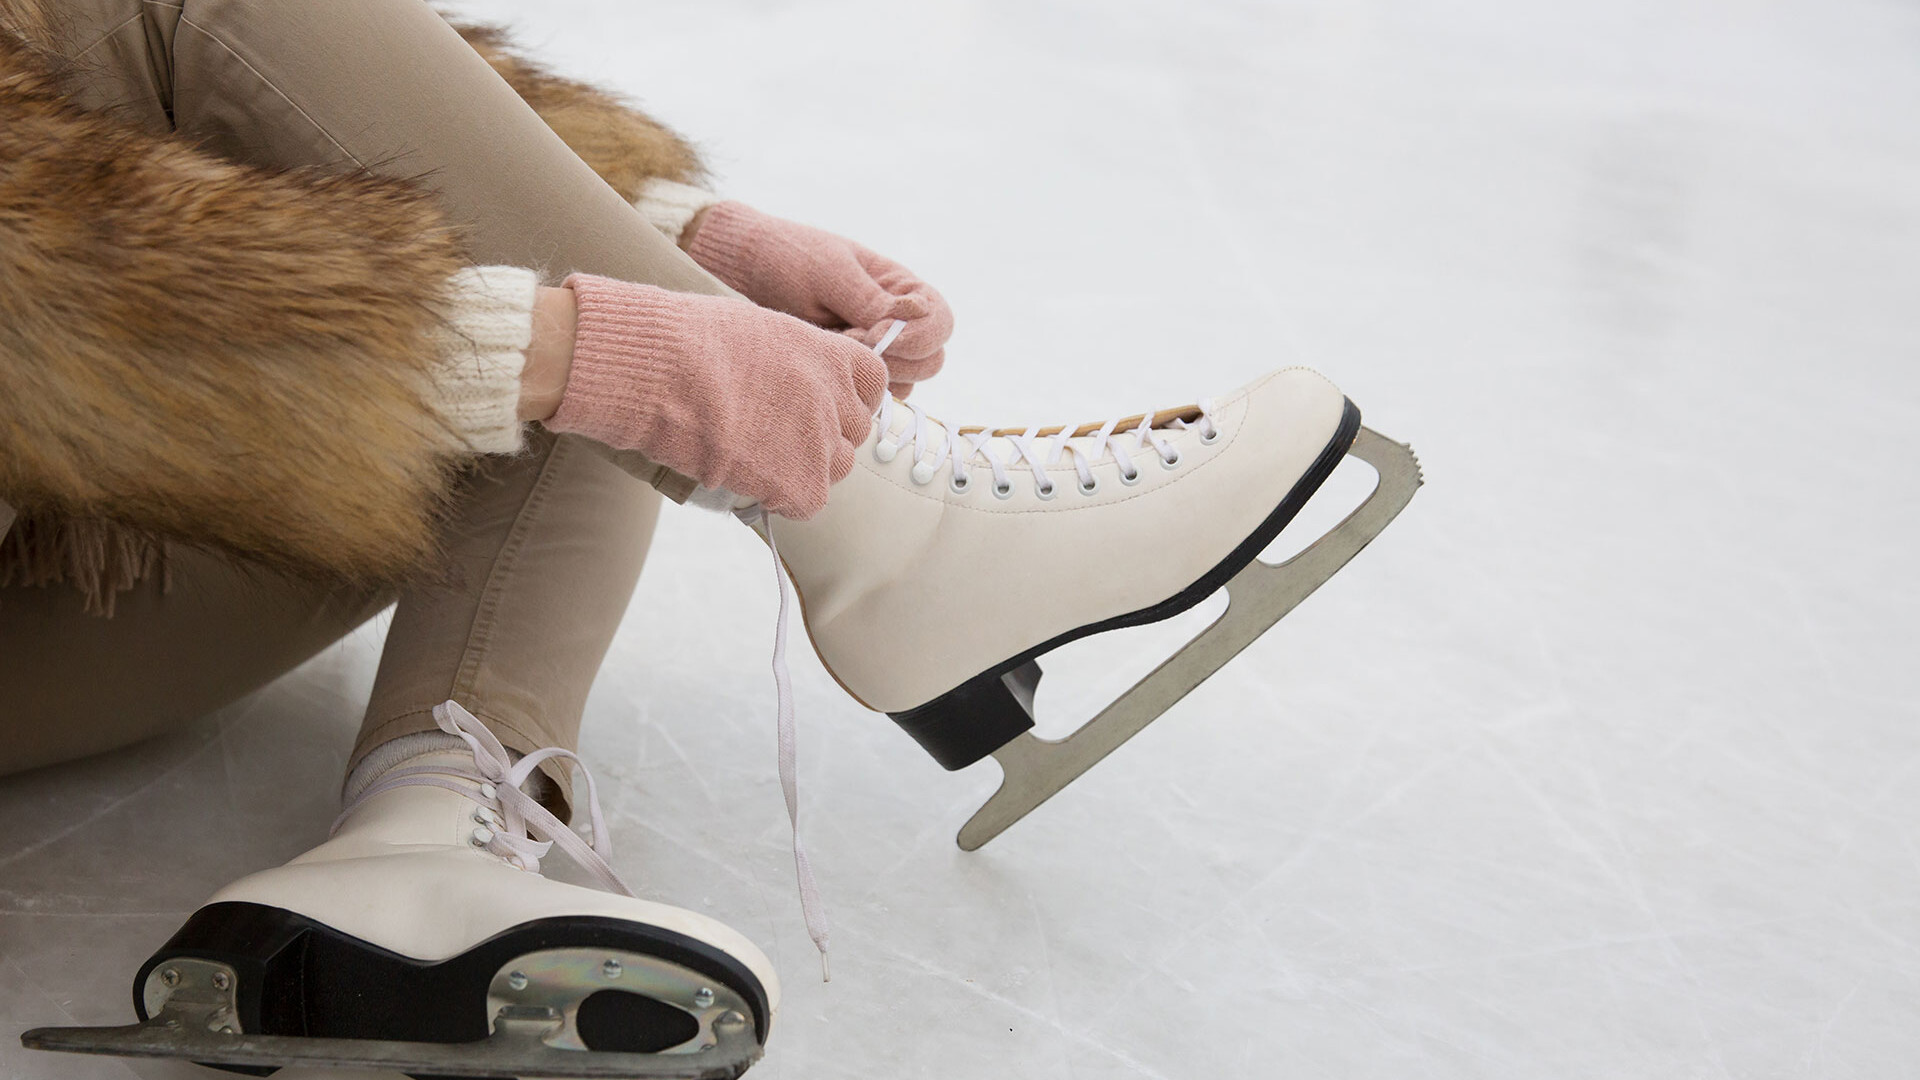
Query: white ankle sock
[(394, 753)]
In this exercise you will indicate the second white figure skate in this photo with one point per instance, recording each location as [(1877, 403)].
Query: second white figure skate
[(422, 940), (952, 559)]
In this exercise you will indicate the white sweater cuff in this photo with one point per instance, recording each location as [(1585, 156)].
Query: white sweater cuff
[(482, 350), (668, 206)]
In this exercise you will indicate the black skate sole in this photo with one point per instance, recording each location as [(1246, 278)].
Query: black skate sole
[(989, 710), (300, 977)]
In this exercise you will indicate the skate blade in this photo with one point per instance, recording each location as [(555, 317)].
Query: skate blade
[(515, 1051), (1258, 596)]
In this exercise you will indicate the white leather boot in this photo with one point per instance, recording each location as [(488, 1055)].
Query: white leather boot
[(424, 920), (952, 558)]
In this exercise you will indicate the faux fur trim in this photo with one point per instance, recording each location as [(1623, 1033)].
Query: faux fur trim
[(217, 354), (26, 18), (314, 320), (624, 145)]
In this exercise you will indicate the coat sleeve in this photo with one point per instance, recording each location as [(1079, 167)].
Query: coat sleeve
[(215, 353)]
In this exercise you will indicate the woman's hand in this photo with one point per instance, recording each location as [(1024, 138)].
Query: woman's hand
[(732, 395), (550, 357), (827, 280)]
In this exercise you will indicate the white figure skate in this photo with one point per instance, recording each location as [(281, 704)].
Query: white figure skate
[(422, 940), (951, 559)]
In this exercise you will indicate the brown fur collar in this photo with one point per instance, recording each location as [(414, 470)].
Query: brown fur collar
[(207, 352), (25, 18), (151, 295), (624, 145)]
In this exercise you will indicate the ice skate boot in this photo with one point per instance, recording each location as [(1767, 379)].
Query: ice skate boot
[(951, 559), (422, 940)]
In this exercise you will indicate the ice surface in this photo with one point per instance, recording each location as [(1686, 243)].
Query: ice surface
[(1600, 763)]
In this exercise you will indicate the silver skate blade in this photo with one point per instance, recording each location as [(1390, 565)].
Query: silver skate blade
[(1257, 597), (515, 1051)]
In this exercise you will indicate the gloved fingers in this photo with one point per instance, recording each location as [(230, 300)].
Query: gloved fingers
[(841, 465), (903, 365), (824, 457), (914, 371), (918, 339), (900, 390), (926, 336), (798, 502), (866, 383), (802, 501), (928, 316), (852, 295), (872, 336)]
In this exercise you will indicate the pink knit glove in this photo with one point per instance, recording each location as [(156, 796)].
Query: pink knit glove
[(829, 281), (732, 395)]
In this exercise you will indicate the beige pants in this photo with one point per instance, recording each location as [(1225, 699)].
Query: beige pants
[(546, 546)]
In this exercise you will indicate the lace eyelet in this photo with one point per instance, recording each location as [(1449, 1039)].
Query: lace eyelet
[(1090, 486), (1172, 462), (489, 791), (1130, 478), (1211, 436), (884, 451), (482, 837), (922, 472), (1003, 490), (1046, 491), (959, 485)]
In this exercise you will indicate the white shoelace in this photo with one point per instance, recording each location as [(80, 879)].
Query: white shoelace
[(812, 910), (934, 443), (510, 823), (1037, 451)]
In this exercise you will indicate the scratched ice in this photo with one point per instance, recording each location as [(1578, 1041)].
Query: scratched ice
[(1599, 763)]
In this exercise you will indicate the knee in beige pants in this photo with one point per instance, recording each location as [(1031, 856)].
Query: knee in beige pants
[(539, 584)]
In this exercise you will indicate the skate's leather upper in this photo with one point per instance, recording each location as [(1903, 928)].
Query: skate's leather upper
[(402, 874), (910, 589)]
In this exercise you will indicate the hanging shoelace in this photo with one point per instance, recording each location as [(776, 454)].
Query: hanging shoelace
[(962, 449), (517, 828), (811, 908)]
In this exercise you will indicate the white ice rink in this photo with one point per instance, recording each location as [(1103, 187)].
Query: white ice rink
[(1601, 762)]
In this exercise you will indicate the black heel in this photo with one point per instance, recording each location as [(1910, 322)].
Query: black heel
[(987, 711), (975, 718)]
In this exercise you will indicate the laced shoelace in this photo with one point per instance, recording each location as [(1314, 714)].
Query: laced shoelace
[(510, 823), (961, 448), (935, 443)]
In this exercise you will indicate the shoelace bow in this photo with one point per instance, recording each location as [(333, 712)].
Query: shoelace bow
[(516, 827)]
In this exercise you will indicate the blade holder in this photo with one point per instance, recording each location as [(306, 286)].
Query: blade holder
[(187, 992), (1035, 769)]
